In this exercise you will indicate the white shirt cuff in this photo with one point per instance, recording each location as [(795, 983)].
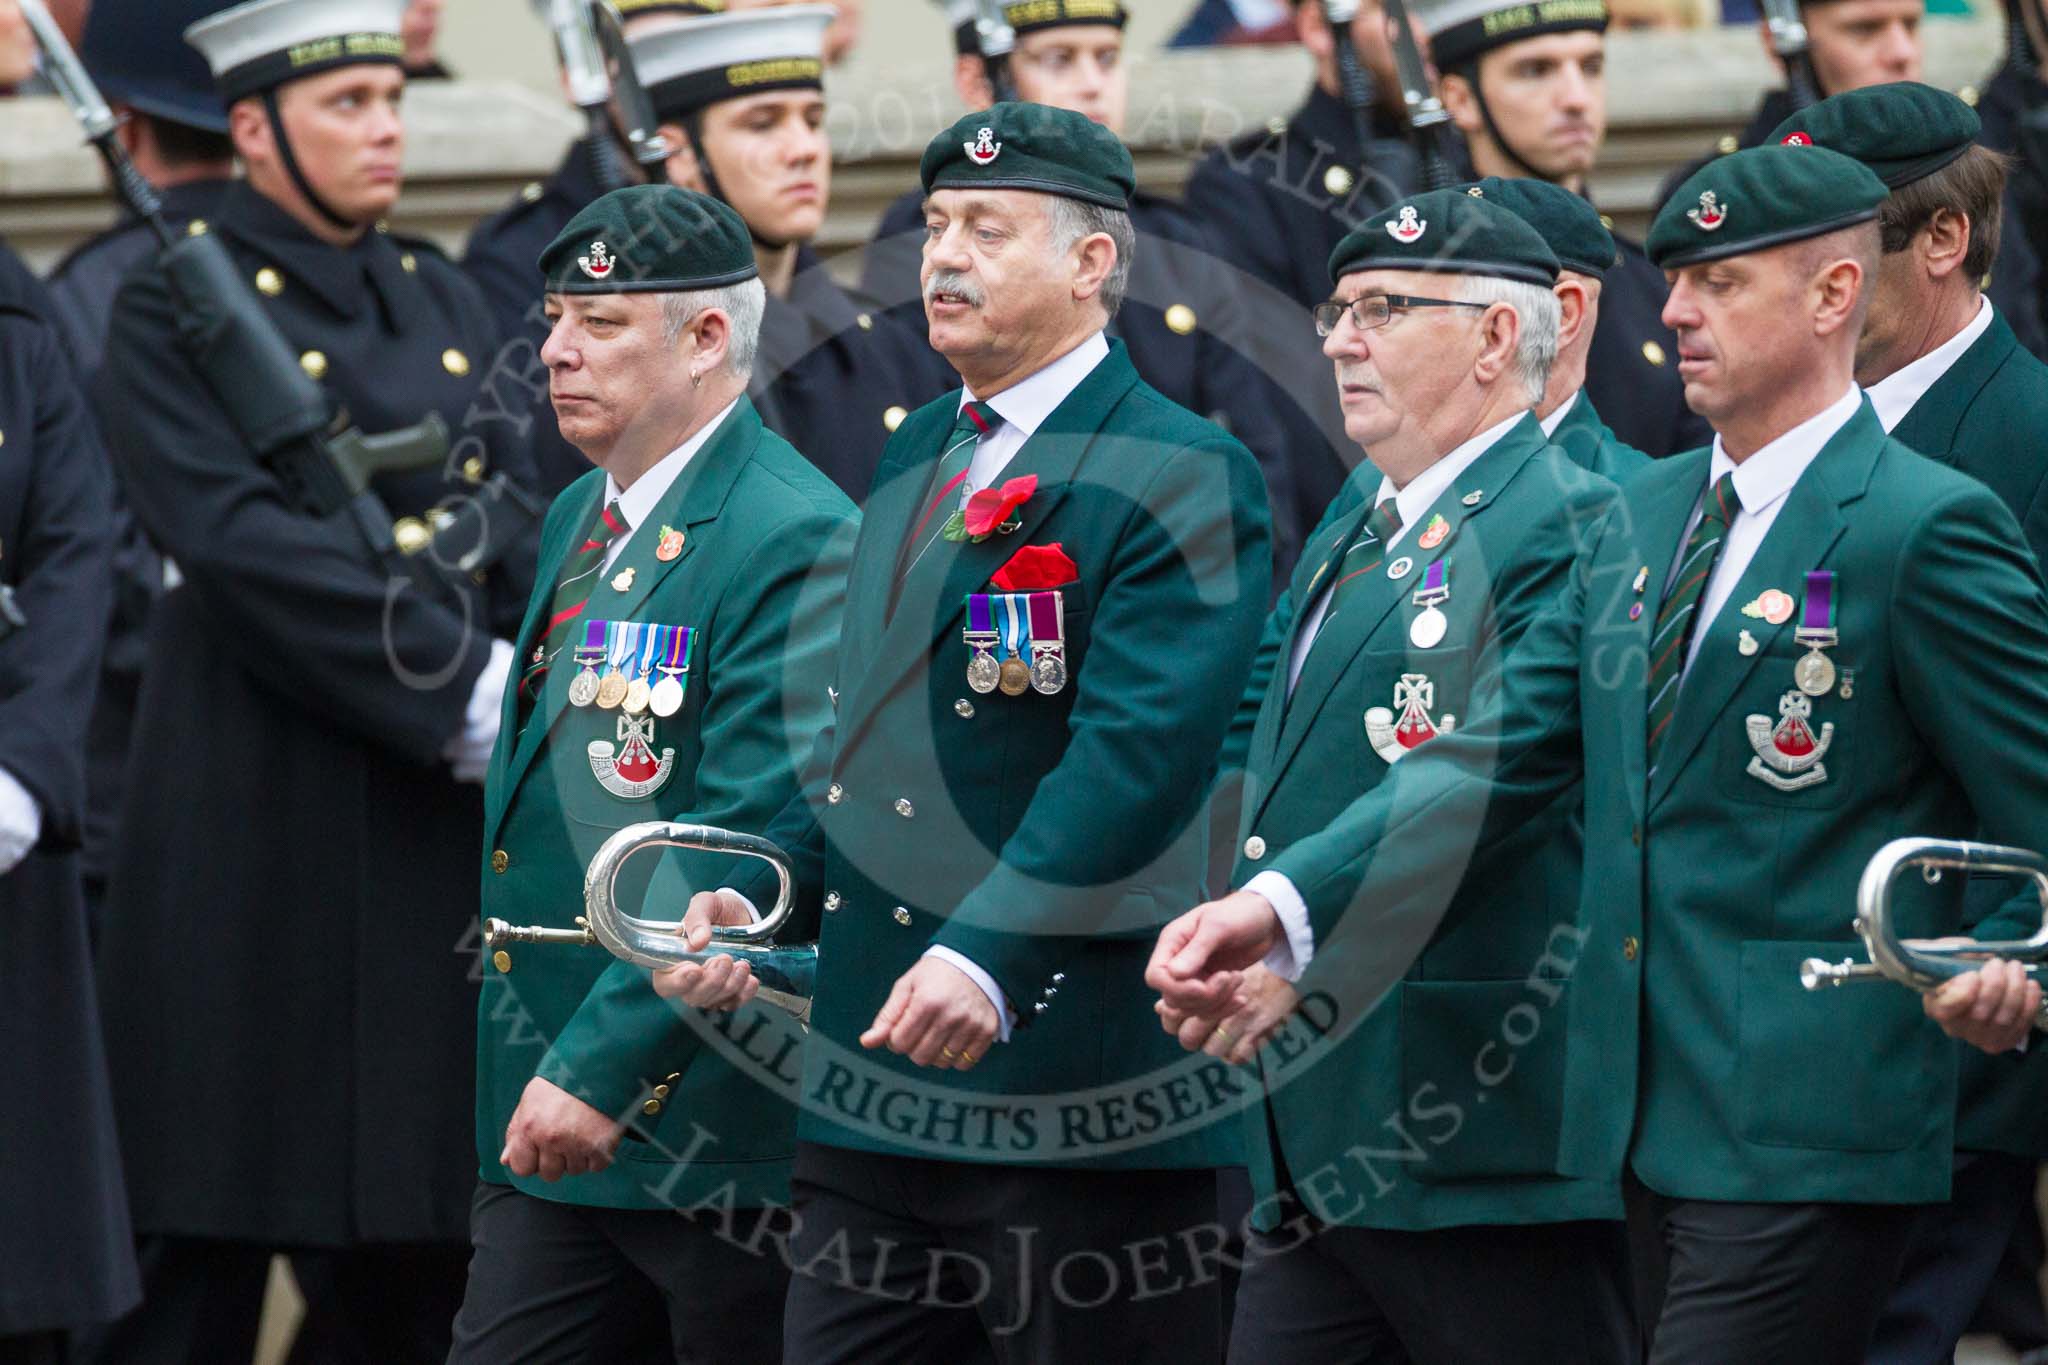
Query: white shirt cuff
[(982, 979), (21, 821), (1290, 957), (470, 751)]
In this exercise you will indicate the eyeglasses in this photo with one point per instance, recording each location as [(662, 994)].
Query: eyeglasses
[(1375, 310)]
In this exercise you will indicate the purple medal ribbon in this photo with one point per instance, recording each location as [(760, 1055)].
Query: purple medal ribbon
[(1817, 617), (1433, 589), (980, 614)]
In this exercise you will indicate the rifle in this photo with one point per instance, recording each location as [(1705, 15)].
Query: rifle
[(324, 464), (996, 41), (590, 87), (1429, 126), (1788, 40), (1354, 81), (641, 128)]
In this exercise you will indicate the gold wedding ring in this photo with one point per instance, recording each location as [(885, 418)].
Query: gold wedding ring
[(948, 1053), (1225, 1034)]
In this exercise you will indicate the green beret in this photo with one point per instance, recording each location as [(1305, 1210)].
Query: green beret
[(1031, 147), (649, 239), (1449, 231), (1762, 197), (1903, 130), (1569, 225)]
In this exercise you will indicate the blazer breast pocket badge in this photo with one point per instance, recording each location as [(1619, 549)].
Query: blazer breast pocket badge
[(1408, 725), (632, 653), (1017, 642)]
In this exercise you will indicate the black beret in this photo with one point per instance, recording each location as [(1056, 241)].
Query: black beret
[(1568, 225), (1762, 197), (649, 239), (1448, 231), (1902, 130), (1018, 146)]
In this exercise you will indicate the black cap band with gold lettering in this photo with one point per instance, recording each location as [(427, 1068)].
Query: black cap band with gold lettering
[(1461, 32)]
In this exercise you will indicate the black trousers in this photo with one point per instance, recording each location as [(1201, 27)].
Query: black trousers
[(565, 1284), (907, 1261), (1801, 1284), (1493, 1295), (1955, 1251), (202, 1300), (32, 1348)]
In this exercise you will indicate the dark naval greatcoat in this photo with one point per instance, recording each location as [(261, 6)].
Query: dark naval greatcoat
[(291, 940)]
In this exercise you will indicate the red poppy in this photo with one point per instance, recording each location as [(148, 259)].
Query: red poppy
[(1036, 567), (991, 507)]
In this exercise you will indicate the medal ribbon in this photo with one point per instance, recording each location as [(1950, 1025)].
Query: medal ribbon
[(592, 648), (980, 614), (618, 645), (1016, 625), (1435, 585), (650, 640), (1048, 618), (680, 641), (1817, 619)]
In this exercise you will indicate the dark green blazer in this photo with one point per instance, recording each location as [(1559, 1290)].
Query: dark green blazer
[(1987, 417), (1592, 445), (1485, 1147), (761, 577), (1046, 838), (1693, 1052)]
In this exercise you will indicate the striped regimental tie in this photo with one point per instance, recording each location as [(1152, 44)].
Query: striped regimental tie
[(1668, 644), (949, 478), (572, 593)]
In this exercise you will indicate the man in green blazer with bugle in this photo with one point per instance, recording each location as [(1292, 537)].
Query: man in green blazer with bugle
[(1052, 608), (1948, 378), (1777, 654), (673, 665), (1405, 1158)]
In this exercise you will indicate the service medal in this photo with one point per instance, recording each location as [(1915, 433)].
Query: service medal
[(983, 673), (1048, 642), (1427, 630), (1814, 674), (637, 696), (611, 690), (666, 697), (583, 687), (1014, 677)]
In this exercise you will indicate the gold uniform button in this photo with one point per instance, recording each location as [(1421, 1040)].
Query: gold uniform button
[(455, 362), (1969, 95), (1728, 145), (892, 417), (412, 536), (1606, 222), (673, 1077), (1338, 181), (530, 191), (661, 1092), (473, 469), (196, 228), (269, 283), (901, 915), (1630, 947), (904, 808), (865, 322), (409, 263), (1180, 318), (1653, 353), (500, 860), (314, 363), (502, 960), (1254, 848), (834, 794), (651, 1108)]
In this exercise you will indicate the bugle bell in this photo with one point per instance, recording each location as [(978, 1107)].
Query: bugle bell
[(786, 971), (1920, 963)]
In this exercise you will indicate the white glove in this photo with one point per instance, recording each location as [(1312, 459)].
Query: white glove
[(469, 753), (21, 822)]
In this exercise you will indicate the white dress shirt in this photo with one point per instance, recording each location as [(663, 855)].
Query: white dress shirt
[(1023, 406), (1761, 482), (21, 822), (1897, 394), (1292, 955), (1551, 423), (637, 504)]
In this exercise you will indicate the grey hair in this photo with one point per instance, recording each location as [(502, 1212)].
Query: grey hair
[(743, 303), (1537, 309), (1071, 220)]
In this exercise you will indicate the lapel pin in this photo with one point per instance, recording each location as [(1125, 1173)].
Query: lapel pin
[(1400, 567), (1635, 611), (1848, 683), (1772, 604), (1433, 534), (1746, 643), (1642, 579), (670, 545), (1472, 499), (622, 581)]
